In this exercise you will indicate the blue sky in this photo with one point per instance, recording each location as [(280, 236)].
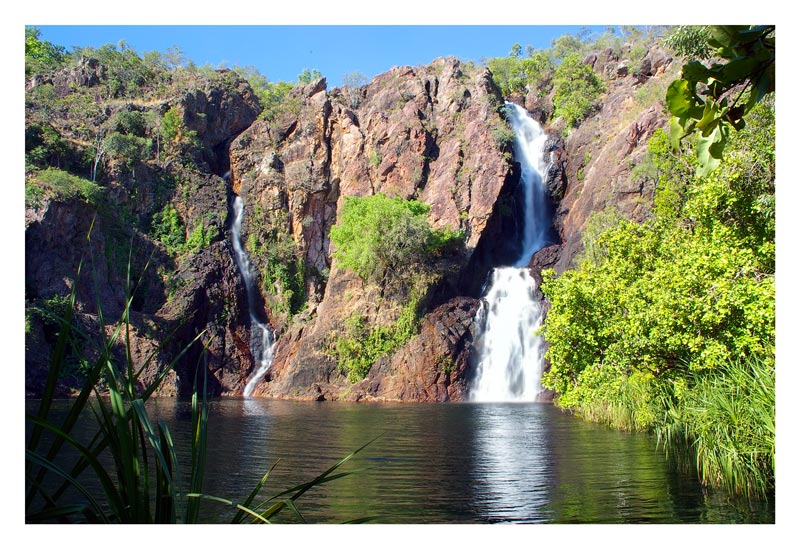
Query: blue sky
[(282, 52)]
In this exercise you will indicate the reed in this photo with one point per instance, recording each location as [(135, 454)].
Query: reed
[(727, 420), (146, 483)]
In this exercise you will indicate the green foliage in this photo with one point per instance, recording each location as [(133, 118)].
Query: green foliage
[(168, 228), (690, 41), (650, 330), (130, 123), (45, 147), (128, 149), (308, 75), (384, 240), (199, 238), (126, 72), (60, 185), (275, 100), (172, 125), (360, 345), (41, 56), (503, 136), (576, 87), (566, 46), (375, 158), (728, 419), (516, 74), (709, 101)]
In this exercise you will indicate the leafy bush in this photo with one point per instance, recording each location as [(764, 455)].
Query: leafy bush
[(384, 240), (60, 185), (361, 345), (168, 228), (199, 238), (654, 328), (518, 75), (690, 41), (576, 87), (41, 56), (128, 149)]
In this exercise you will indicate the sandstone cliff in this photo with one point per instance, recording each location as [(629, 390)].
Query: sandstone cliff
[(433, 133)]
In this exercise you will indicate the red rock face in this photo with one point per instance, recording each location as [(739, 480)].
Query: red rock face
[(424, 133), (427, 133)]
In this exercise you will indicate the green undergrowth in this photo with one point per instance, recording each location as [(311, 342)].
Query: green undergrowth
[(668, 325), (360, 345), (67, 480)]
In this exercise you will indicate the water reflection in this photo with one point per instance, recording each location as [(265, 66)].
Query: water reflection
[(512, 462), (453, 463)]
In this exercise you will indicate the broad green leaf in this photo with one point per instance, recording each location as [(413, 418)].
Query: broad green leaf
[(676, 133), (738, 69), (727, 36), (680, 98), (695, 71), (709, 150), (711, 117)]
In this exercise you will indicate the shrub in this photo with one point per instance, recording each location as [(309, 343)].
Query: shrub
[(60, 185), (168, 228), (384, 240), (577, 87)]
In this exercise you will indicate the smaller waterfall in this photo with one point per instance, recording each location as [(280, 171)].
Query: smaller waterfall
[(261, 338)]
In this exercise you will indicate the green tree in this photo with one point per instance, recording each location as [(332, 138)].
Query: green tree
[(308, 75), (576, 87), (41, 55), (690, 41), (385, 240)]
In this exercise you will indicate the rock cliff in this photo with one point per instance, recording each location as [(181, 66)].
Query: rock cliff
[(434, 133)]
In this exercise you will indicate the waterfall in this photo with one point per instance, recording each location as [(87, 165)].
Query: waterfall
[(510, 354), (261, 339)]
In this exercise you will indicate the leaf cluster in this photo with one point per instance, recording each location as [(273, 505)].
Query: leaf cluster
[(712, 100)]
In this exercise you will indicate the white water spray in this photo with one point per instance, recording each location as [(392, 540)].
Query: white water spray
[(510, 354), (261, 339)]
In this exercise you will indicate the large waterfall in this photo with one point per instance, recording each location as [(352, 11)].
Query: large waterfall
[(261, 339), (510, 354)]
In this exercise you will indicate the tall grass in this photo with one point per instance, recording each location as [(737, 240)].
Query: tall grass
[(727, 419), (723, 420), (146, 483)]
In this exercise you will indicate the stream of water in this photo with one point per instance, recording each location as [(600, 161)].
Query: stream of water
[(261, 338), (510, 353)]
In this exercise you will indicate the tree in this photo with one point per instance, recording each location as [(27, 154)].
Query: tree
[(576, 88), (708, 101), (308, 75), (353, 81), (385, 240), (41, 55)]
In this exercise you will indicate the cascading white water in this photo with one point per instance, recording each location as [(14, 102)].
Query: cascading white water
[(261, 339), (510, 354)]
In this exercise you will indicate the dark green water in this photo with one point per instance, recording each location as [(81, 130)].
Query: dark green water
[(449, 463)]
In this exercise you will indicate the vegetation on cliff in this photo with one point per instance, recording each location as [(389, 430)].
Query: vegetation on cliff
[(390, 244), (663, 320)]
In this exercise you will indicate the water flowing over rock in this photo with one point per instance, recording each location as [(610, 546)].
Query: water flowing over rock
[(423, 133), (509, 353)]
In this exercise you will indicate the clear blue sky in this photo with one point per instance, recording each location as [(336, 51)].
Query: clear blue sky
[(282, 52)]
